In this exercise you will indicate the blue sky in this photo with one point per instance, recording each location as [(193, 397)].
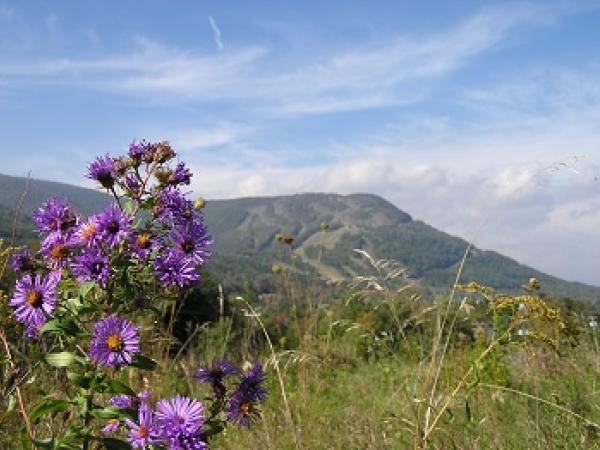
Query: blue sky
[(481, 118)]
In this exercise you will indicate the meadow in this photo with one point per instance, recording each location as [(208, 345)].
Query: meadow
[(377, 363)]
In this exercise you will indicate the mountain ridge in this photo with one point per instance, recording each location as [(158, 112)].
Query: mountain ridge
[(245, 231)]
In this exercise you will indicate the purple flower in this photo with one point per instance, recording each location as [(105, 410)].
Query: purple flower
[(172, 205), (87, 233), (180, 416), (175, 269), (35, 299), (133, 184), (215, 374), (243, 403), (113, 225), (144, 432), (114, 342), (111, 426), (102, 170), (22, 261), (57, 249), (92, 265), (194, 241), (184, 442), (54, 216), (140, 151), (181, 175), (142, 244), (123, 401)]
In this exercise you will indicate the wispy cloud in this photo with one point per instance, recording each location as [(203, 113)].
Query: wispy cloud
[(216, 33), (374, 75)]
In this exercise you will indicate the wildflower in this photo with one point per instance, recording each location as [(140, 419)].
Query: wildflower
[(114, 342), (55, 215), (144, 432), (215, 374), (181, 175), (175, 269), (35, 300), (243, 403), (102, 170), (142, 244), (123, 401), (113, 225), (133, 184), (180, 417), (111, 426), (57, 249), (163, 152), (22, 261), (194, 241), (92, 266), (172, 205), (139, 151), (87, 233)]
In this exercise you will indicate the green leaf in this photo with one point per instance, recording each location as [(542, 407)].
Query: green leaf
[(63, 359), (115, 444), (48, 406), (141, 362), (117, 387), (79, 380), (86, 288), (109, 412), (43, 443), (64, 326)]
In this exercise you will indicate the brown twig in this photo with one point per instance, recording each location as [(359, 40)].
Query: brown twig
[(17, 388)]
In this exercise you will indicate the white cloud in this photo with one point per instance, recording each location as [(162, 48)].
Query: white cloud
[(377, 74), (216, 33)]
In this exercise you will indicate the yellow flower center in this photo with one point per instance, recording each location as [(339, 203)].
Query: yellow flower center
[(89, 232), (34, 298), (143, 241), (60, 251), (115, 343), (143, 432), (246, 408)]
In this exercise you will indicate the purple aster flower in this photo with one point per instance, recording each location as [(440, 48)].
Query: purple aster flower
[(57, 249), (87, 232), (111, 426), (243, 403), (114, 342), (54, 216), (102, 170), (141, 151), (172, 205), (133, 184), (194, 241), (175, 269), (185, 442), (92, 265), (123, 401), (181, 175), (34, 299), (145, 432), (142, 244), (113, 225), (22, 261), (180, 416), (215, 374)]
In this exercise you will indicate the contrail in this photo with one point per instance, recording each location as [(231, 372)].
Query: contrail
[(216, 33)]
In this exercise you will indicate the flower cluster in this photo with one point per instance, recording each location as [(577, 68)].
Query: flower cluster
[(176, 423), (83, 289), (170, 239)]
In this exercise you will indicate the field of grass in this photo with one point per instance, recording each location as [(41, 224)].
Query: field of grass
[(378, 368)]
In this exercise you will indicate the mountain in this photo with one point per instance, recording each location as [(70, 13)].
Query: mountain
[(246, 245), (245, 233)]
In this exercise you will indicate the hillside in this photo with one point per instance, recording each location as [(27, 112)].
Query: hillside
[(245, 230), (245, 233)]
